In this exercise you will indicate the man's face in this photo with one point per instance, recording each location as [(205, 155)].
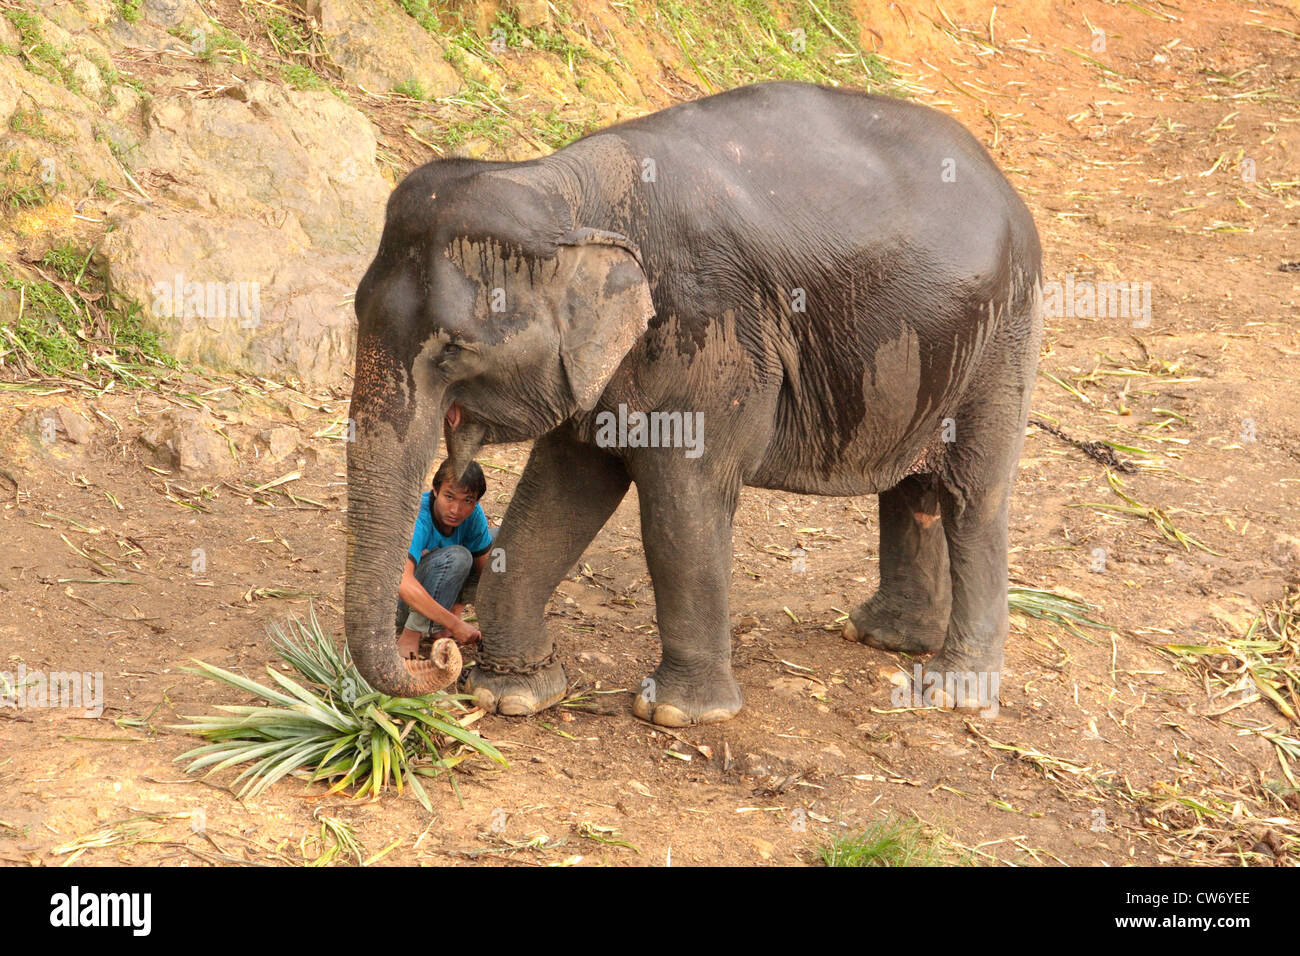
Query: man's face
[(452, 504)]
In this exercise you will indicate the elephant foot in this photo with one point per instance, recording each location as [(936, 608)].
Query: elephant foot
[(954, 683), (517, 695), (682, 704), (892, 624)]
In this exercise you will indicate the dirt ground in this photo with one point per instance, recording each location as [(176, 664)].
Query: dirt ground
[(1108, 749)]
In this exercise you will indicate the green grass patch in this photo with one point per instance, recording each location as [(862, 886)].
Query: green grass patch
[(301, 77), (556, 132), (422, 13), (507, 27), (108, 73), (20, 191), (67, 324), (211, 41), (725, 44), (894, 841), (488, 118), (748, 41), (286, 35), (38, 54), (32, 123), (411, 88), (15, 198), (294, 37)]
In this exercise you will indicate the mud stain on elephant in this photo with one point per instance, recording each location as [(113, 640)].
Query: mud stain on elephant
[(720, 375), (489, 280), (895, 392), (903, 404)]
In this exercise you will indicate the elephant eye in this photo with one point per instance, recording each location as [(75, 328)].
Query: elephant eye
[(450, 350)]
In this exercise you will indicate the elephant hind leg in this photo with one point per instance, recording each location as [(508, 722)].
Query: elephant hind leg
[(909, 611), (975, 494), (966, 672)]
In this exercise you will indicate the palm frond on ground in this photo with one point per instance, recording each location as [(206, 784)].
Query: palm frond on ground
[(329, 724)]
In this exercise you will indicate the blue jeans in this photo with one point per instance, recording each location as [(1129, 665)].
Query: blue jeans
[(445, 573)]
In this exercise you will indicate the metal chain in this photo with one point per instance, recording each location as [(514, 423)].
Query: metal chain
[(524, 669), (1093, 449)]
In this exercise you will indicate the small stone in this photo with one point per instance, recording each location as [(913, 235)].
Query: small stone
[(567, 590), (892, 675), (280, 441), (595, 657), (75, 427), (791, 688), (87, 77), (187, 440), (532, 13)]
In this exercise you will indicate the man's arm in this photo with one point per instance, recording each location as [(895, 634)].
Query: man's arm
[(413, 593)]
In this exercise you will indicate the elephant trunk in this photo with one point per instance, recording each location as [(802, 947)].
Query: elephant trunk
[(464, 439), (384, 484)]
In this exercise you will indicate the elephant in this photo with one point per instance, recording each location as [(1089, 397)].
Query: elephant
[(843, 291)]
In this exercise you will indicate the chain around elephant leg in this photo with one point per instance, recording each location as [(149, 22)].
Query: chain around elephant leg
[(519, 692)]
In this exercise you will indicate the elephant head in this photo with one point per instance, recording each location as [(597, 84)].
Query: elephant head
[(490, 313)]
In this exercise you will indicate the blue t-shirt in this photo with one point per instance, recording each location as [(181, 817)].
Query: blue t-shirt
[(472, 533)]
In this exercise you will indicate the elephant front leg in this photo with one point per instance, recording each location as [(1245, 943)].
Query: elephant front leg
[(686, 530), (566, 494)]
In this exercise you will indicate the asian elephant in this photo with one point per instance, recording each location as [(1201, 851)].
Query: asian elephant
[(839, 291)]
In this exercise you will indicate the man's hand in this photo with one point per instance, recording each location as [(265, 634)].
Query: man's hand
[(464, 633)]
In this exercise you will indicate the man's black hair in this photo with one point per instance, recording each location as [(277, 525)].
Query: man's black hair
[(472, 480)]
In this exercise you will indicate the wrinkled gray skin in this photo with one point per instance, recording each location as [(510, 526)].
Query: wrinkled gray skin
[(787, 259)]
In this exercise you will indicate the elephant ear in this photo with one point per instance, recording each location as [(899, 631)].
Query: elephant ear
[(602, 311)]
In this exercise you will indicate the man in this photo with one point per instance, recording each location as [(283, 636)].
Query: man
[(448, 549)]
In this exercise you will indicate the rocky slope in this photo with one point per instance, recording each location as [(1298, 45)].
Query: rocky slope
[(228, 162)]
